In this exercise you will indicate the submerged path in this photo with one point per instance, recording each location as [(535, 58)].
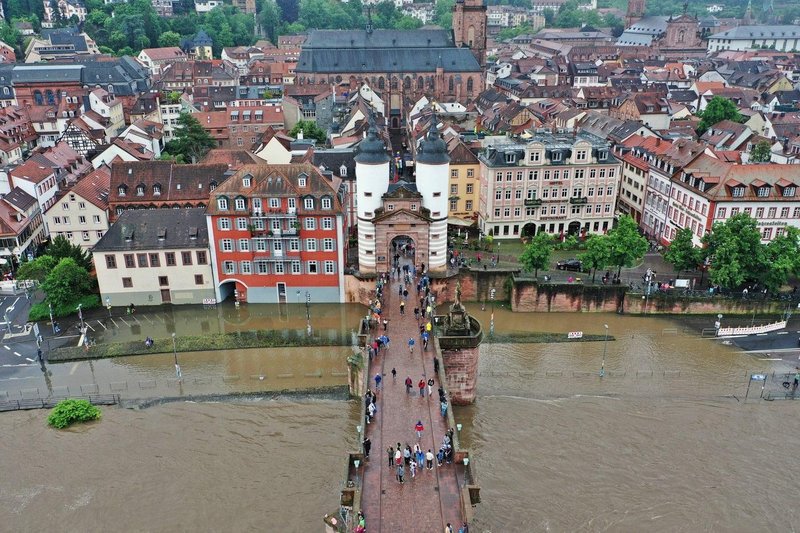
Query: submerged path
[(431, 500)]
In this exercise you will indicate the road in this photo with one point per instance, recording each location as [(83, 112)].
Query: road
[(18, 342), (783, 345)]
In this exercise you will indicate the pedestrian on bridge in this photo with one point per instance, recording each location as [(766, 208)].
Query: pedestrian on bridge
[(429, 459), (378, 379), (411, 343), (409, 384), (419, 428), (401, 471), (430, 386), (367, 446), (421, 386), (394, 374), (402, 308)]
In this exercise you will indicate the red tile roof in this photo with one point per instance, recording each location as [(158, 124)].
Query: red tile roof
[(94, 187)]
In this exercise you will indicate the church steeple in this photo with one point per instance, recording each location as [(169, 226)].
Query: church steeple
[(635, 12), (748, 14)]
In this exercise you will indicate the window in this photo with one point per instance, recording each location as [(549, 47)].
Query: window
[(310, 223), (279, 268), (498, 194), (244, 245), (241, 224), (722, 211), (738, 192), (555, 156), (763, 192), (224, 224), (312, 267), (222, 204), (788, 191), (246, 181), (330, 267), (198, 279), (66, 220), (326, 203), (274, 203), (163, 281), (256, 204), (454, 188), (226, 245), (81, 205), (154, 260), (122, 190), (261, 267), (453, 205), (229, 267), (327, 223), (130, 261), (453, 172), (766, 234), (240, 204), (308, 203), (85, 235), (580, 155), (295, 267), (56, 220), (96, 219), (140, 190), (469, 188), (508, 194), (772, 212), (186, 258), (156, 190), (301, 182), (127, 283), (202, 258), (311, 245), (785, 212), (327, 245), (111, 261), (82, 220), (294, 245), (142, 260)]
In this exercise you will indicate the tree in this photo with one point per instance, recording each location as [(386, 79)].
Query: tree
[(597, 254), (169, 38), (310, 131), (761, 152), (782, 259), (717, 110), (37, 269), (682, 253), (60, 248), (290, 9), (626, 245), (191, 140), (270, 19), (66, 283), (736, 252), (537, 253)]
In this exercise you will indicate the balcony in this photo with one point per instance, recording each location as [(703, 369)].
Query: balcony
[(533, 202), (579, 200)]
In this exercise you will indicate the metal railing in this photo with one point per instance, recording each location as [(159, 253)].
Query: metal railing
[(49, 403)]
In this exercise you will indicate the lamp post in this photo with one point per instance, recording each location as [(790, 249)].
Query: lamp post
[(52, 322), (7, 318), (357, 463), (605, 345), (80, 316), (491, 320), (108, 305), (466, 464), (308, 313), (175, 353), (718, 323)]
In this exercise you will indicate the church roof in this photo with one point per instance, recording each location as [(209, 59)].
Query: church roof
[(332, 51)]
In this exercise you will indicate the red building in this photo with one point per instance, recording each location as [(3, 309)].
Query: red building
[(276, 236)]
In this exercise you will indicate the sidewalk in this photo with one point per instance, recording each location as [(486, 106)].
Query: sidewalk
[(431, 500)]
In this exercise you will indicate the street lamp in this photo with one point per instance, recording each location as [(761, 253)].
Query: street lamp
[(108, 305), (8, 320), (80, 316), (52, 322), (308, 313), (605, 345), (491, 320), (175, 353), (357, 463), (718, 323)]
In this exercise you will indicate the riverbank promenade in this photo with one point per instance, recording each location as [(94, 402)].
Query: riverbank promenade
[(430, 500)]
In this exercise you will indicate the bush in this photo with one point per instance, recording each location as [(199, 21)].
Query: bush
[(71, 410), (41, 311)]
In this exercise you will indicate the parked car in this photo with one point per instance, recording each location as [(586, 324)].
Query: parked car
[(570, 264)]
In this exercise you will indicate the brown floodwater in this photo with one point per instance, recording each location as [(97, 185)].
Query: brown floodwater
[(663, 442)]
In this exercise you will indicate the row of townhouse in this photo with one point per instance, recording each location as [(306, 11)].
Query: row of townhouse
[(266, 234)]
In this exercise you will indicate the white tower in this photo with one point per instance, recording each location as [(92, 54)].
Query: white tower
[(433, 176), (372, 182)]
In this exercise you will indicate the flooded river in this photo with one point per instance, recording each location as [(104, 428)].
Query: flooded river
[(663, 442)]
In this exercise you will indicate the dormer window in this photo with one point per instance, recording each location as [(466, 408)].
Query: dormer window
[(122, 190), (140, 190), (602, 154), (212, 185), (788, 192), (156, 189), (240, 204), (737, 192), (343, 171), (534, 157), (222, 204), (308, 203), (246, 181), (326, 203), (762, 192), (555, 156), (511, 158), (301, 182)]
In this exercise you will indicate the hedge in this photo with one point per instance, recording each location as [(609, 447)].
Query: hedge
[(218, 341), (41, 311)]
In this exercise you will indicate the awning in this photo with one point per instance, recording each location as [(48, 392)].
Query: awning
[(455, 221)]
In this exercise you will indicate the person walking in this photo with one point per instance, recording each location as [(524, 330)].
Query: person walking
[(448, 528), (367, 446), (402, 308), (425, 337), (401, 471), (419, 428), (421, 386), (420, 456), (413, 469), (429, 459), (409, 384), (394, 374), (390, 453), (464, 528), (378, 380), (430, 386), (416, 313), (443, 407), (398, 456), (407, 455), (411, 343), (385, 323), (435, 365)]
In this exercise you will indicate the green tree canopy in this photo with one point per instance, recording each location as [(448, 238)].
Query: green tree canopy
[(597, 254), (626, 245), (761, 152), (60, 248), (66, 283), (537, 254), (310, 131), (736, 252), (717, 110), (169, 38), (783, 259), (682, 253), (37, 269), (191, 140)]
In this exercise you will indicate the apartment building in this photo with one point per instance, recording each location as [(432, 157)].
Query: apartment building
[(80, 214)]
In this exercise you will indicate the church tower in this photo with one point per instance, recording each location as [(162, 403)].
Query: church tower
[(372, 182), (635, 12), (469, 27), (433, 174)]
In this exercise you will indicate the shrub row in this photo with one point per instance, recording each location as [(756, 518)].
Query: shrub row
[(41, 311)]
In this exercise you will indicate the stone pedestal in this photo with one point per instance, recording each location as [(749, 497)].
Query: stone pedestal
[(461, 368)]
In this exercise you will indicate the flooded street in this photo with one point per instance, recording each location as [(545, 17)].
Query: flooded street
[(663, 442)]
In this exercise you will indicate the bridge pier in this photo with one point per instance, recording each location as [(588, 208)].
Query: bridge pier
[(461, 368)]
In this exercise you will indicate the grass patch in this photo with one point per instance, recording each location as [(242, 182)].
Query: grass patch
[(218, 341), (41, 311), (70, 411)]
